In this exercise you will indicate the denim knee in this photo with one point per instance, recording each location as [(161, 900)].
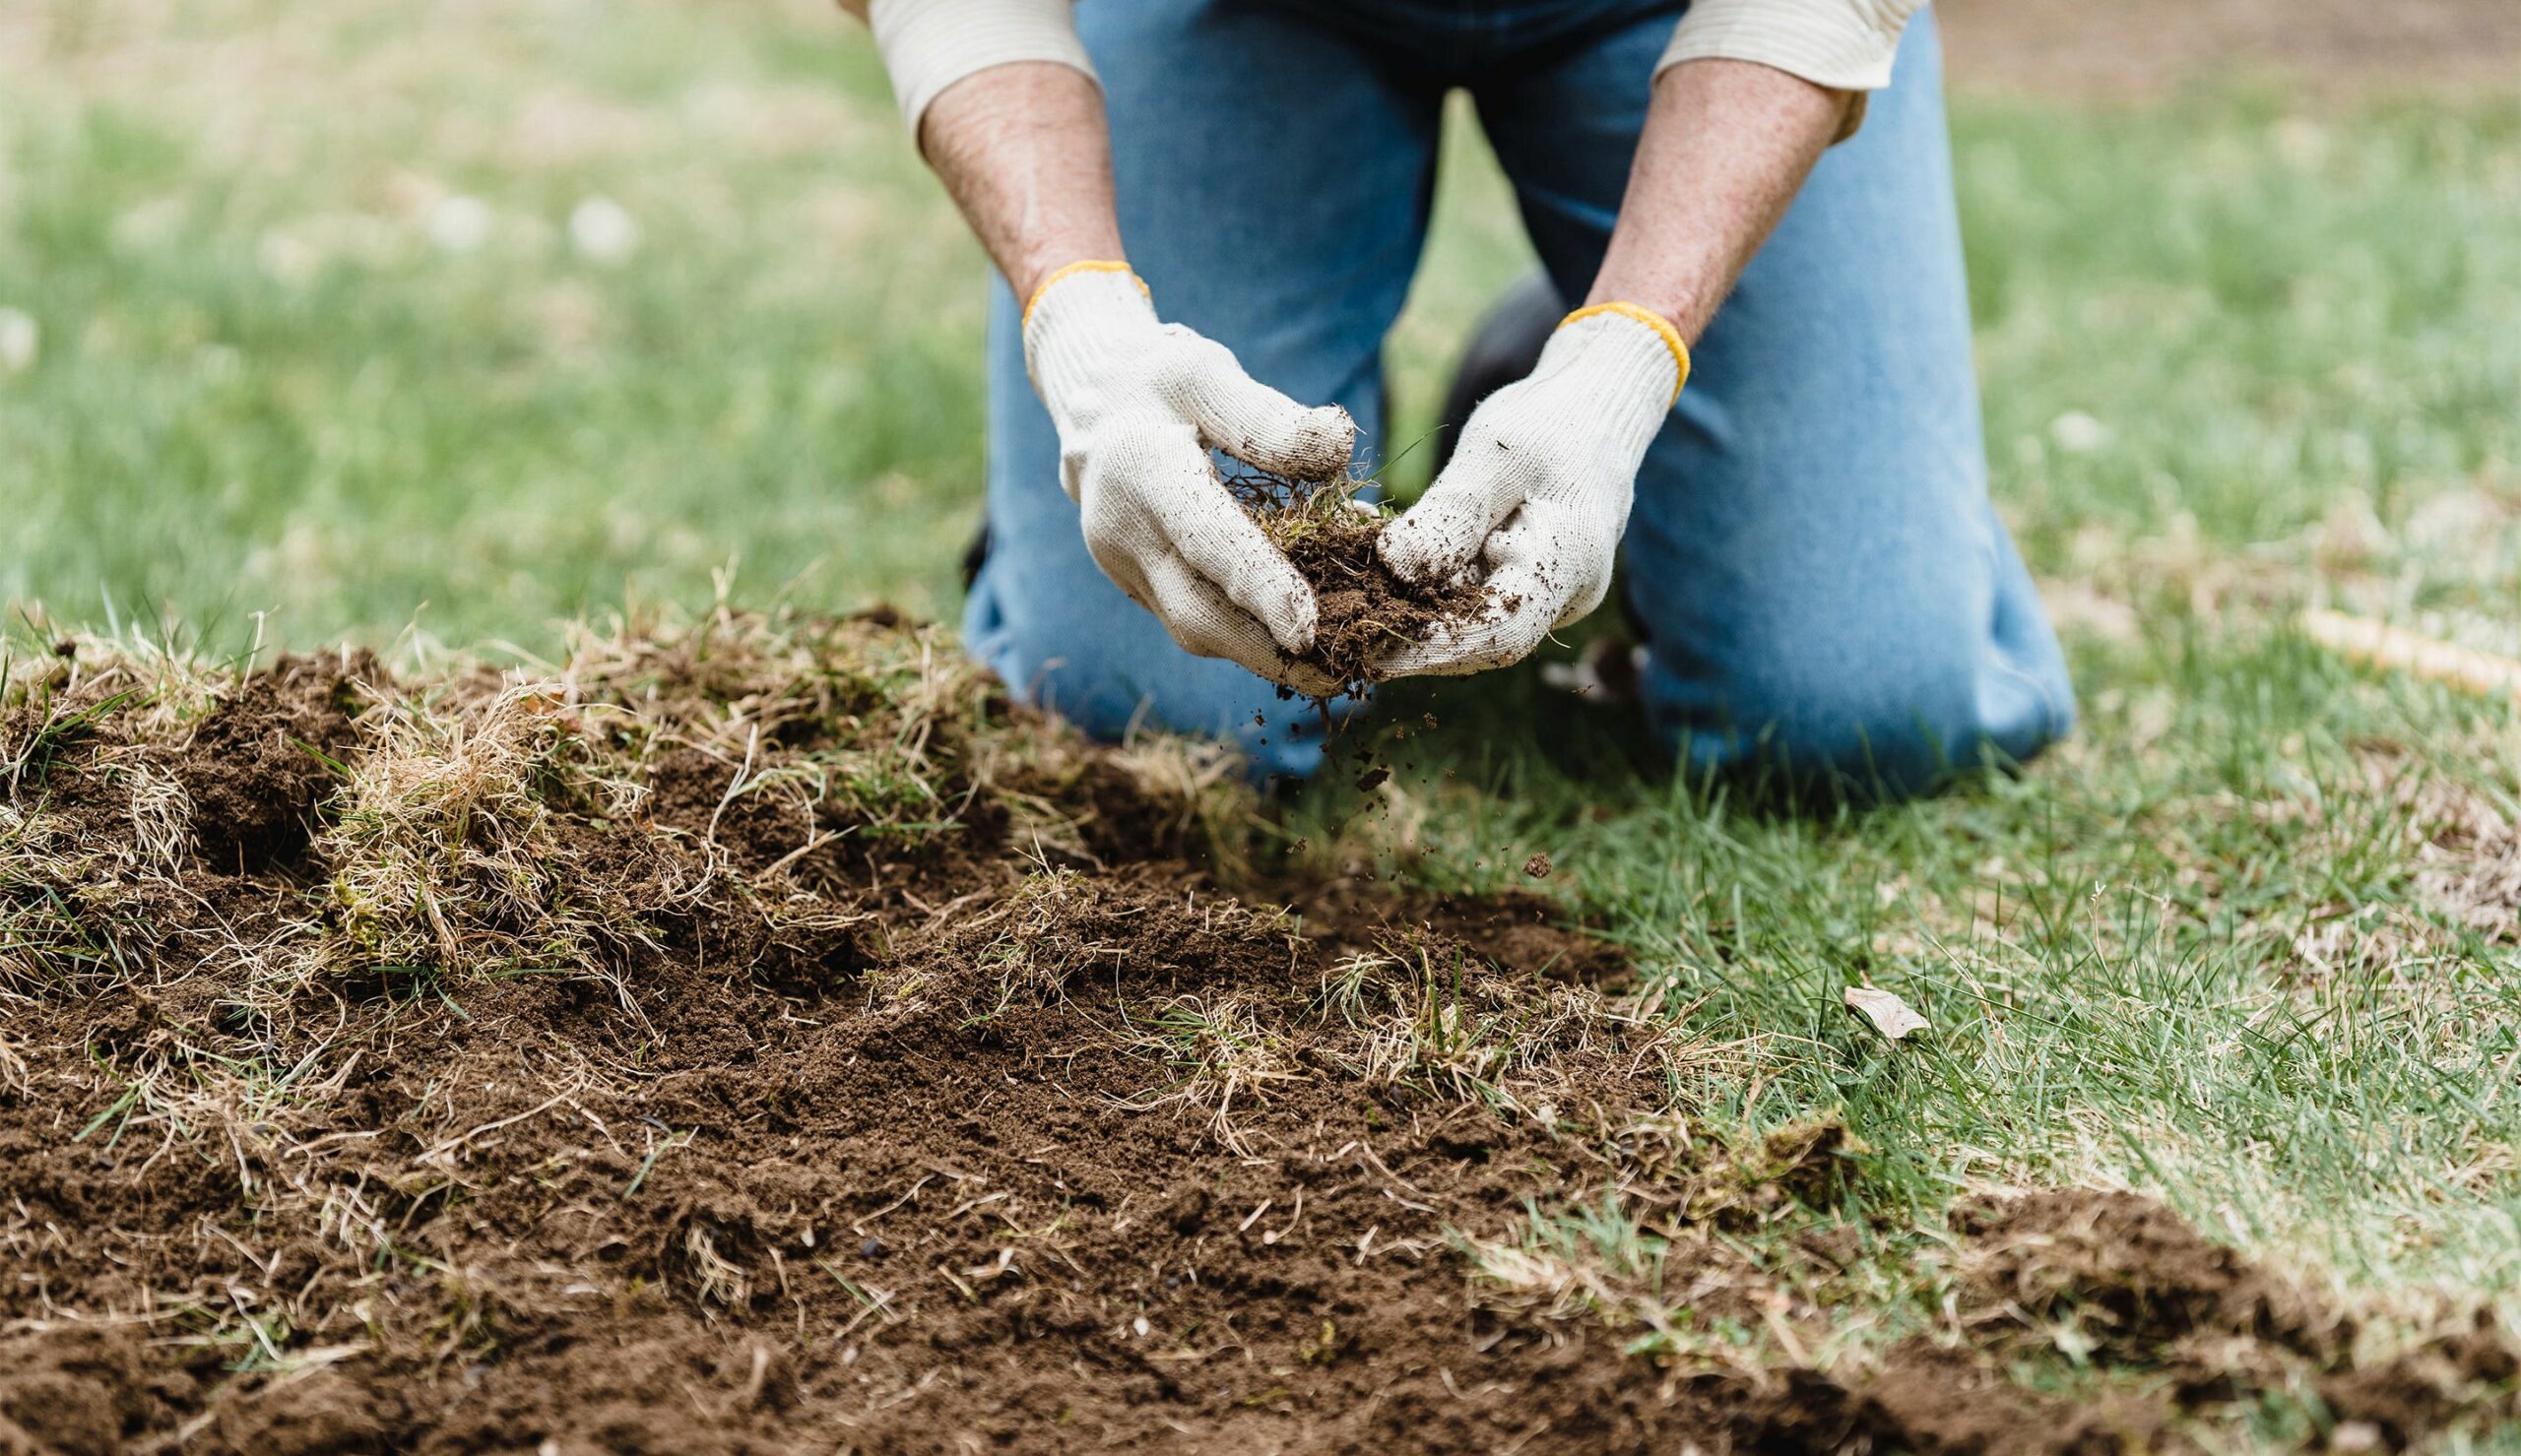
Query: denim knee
[(1864, 718)]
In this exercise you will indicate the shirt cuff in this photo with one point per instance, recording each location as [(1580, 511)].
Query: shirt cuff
[(1841, 44), (930, 44)]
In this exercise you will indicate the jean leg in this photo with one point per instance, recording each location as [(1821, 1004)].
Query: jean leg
[(1822, 578), (1273, 179)]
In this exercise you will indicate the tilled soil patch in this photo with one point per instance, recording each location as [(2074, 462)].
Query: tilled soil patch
[(761, 1038), (1518, 929)]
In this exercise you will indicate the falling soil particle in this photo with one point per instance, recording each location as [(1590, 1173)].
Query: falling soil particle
[(1538, 866), (791, 1046)]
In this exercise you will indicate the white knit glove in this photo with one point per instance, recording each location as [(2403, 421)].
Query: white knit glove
[(1537, 493), (1139, 405)]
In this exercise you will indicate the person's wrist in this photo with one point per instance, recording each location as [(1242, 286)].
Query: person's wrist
[(1667, 291), (1665, 304)]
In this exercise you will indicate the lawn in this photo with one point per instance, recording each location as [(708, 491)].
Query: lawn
[(433, 328)]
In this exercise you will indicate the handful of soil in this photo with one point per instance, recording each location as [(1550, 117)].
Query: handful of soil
[(1365, 609)]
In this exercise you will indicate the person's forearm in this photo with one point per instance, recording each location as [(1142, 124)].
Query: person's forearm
[(1025, 152), (1726, 146)]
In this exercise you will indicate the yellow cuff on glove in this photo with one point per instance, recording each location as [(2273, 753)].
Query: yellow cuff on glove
[(1082, 265), (1651, 319)]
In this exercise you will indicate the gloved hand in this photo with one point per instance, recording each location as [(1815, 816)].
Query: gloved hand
[(1139, 405), (1538, 488)]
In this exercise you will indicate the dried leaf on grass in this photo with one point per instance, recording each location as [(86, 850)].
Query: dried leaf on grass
[(1894, 1018)]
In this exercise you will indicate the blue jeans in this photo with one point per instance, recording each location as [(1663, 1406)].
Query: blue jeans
[(1812, 558)]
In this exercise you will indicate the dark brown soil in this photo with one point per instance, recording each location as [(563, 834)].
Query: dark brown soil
[(1511, 927), (2145, 1288), (258, 766), (1365, 610), (944, 1108)]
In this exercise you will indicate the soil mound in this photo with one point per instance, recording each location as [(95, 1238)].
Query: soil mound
[(760, 1037), (2142, 1287)]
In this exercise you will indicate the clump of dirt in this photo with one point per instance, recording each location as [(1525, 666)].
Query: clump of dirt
[(83, 1391), (2131, 1274), (2141, 1288), (1930, 1397), (1366, 611), (258, 767), (760, 1036)]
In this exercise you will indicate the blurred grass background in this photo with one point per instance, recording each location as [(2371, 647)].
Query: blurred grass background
[(314, 333), (329, 321)]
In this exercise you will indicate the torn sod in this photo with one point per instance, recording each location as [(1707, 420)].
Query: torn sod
[(769, 1013)]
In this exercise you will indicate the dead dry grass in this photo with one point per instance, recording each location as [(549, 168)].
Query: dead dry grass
[(832, 807)]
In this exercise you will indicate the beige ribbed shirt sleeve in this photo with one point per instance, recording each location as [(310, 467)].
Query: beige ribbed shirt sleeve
[(1843, 44), (930, 44)]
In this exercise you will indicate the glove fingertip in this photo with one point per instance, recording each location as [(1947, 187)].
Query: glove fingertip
[(1293, 628), (1415, 550), (1318, 447), (1283, 602), (1308, 681)]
